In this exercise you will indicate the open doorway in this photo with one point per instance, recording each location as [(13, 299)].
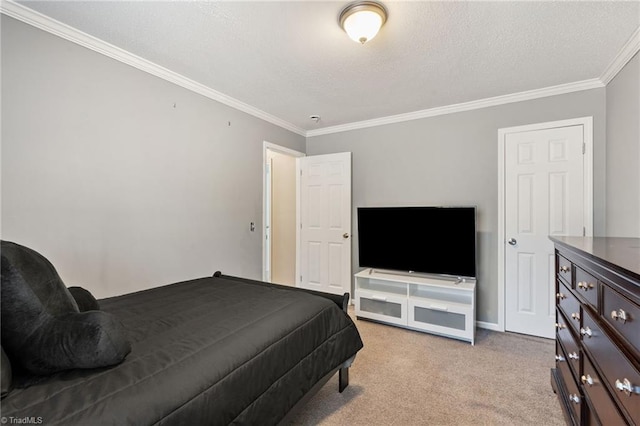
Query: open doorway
[(279, 214)]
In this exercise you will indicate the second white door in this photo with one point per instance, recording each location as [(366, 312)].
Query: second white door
[(325, 223), (544, 195)]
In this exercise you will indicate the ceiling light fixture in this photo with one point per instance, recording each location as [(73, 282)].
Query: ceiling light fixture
[(362, 20)]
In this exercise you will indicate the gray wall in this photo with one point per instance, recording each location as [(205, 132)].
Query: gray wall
[(623, 152), (453, 160), (123, 191), (117, 187)]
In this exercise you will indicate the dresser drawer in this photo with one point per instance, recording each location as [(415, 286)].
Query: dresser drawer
[(569, 305), (569, 344), (588, 416), (602, 402), (586, 285), (575, 401), (623, 315), (617, 369), (560, 354), (564, 269)]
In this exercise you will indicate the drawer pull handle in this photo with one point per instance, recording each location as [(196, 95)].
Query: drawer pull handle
[(586, 332), (573, 355), (575, 398), (559, 358), (561, 296), (435, 307), (560, 325), (626, 387), (564, 269), (379, 298), (585, 285), (575, 316), (587, 380), (619, 315)]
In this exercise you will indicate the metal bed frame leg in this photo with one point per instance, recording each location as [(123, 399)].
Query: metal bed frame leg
[(343, 373), (343, 379)]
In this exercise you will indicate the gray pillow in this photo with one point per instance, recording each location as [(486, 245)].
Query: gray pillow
[(84, 299), (6, 378), (41, 276), (42, 342)]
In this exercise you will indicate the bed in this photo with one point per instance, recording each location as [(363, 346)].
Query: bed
[(216, 350)]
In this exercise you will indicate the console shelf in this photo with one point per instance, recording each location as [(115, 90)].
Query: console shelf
[(432, 305)]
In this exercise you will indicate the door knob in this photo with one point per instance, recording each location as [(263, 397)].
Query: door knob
[(345, 235), (512, 241)]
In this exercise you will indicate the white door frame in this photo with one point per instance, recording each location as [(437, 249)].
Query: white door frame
[(587, 123), (268, 146)]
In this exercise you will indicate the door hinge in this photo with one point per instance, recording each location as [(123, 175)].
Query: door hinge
[(300, 278), (584, 231), (584, 148)]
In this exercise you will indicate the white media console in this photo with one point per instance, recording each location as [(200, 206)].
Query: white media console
[(418, 302)]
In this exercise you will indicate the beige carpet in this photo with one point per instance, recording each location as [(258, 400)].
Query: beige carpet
[(402, 377)]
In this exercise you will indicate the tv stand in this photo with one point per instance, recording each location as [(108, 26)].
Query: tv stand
[(419, 302)]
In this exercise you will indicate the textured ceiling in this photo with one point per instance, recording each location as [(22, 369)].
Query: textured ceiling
[(291, 59)]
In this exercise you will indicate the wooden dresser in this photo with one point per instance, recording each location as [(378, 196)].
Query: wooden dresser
[(597, 371)]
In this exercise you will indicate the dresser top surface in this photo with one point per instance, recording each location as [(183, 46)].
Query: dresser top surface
[(620, 253)]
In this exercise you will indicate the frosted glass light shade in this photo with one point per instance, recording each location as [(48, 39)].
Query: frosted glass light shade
[(363, 20)]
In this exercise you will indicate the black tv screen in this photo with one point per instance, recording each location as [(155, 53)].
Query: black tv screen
[(431, 240)]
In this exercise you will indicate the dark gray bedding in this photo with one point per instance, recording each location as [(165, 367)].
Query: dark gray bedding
[(215, 350)]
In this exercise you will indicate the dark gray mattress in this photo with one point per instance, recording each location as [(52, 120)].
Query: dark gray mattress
[(208, 351)]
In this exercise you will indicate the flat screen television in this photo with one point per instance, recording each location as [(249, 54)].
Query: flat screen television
[(430, 240)]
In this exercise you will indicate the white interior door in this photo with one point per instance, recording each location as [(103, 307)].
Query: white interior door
[(325, 223), (544, 181)]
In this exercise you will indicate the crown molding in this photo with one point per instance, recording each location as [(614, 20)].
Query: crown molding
[(628, 51), (45, 23), (50, 25), (561, 89)]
